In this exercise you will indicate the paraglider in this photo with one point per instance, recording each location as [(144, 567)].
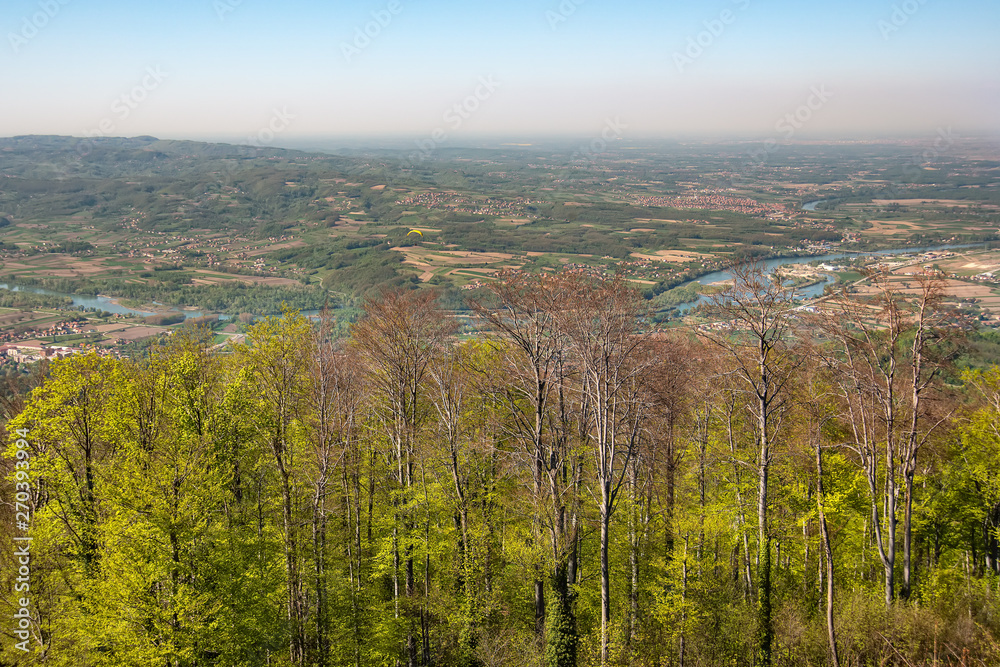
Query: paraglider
[(415, 231)]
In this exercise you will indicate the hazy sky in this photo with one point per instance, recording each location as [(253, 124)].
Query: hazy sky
[(521, 68)]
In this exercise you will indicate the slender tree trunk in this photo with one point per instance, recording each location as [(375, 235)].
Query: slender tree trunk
[(828, 552), (297, 639), (889, 558), (409, 580), (671, 475), (541, 394), (175, 554), (684, 588), (424, 616), (354, 553), (702, 483), (904, 591), (765, 629), (539, 607), (747, 576), (319, 558), (605, 575), (633, 558), (806, 575), (574, 550)]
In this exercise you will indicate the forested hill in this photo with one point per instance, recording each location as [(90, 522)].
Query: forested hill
[(107, 177), (568, 489), (200, 207), (344, 226)]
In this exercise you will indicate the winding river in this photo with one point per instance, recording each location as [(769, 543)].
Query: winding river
[(99, 303), (110, 305), (812, 291)]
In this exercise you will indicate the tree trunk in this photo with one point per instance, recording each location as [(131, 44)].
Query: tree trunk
[(684, 587), (561, 635), (702, 448), (319, 558), (633, 558), (765, 629), (889, 560), (539, 607), (904, 591), (296, 629), (828, 551), (605, 577)]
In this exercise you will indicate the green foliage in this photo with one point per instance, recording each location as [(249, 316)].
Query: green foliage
[(31, 301), (197, 508), (163, 320), (173, 290), (561, 635), (72, 247)]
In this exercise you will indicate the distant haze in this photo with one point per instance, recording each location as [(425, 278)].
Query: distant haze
[(438, 71)]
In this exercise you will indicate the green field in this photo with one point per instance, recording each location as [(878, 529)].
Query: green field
[(227, 230)]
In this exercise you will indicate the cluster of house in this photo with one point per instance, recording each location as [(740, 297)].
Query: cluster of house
[(62, 328), (29, 350), (819, 246), (20, 348), (714, 202), (454, 202), (718, 326)]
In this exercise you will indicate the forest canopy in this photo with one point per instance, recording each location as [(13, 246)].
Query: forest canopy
[(569, 488)]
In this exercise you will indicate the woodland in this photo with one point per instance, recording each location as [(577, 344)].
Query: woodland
[(569, 486)]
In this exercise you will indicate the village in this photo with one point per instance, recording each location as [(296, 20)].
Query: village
[(715, 202), (118, 338)]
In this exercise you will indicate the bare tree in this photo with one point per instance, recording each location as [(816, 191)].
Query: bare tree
[(928, 319), (885, 400), (456, 399), (652, 477), (524, 314), (335, 401), (756, 308), (398, 336), (602, 320), (817, 411)]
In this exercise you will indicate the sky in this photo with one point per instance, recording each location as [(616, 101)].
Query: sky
[(440, 71)]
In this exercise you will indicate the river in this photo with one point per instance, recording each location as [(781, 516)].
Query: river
[(109, 304), (106, 303), (812, 291)]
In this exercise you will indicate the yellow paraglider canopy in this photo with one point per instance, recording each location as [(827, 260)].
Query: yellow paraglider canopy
[(414, 231)]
